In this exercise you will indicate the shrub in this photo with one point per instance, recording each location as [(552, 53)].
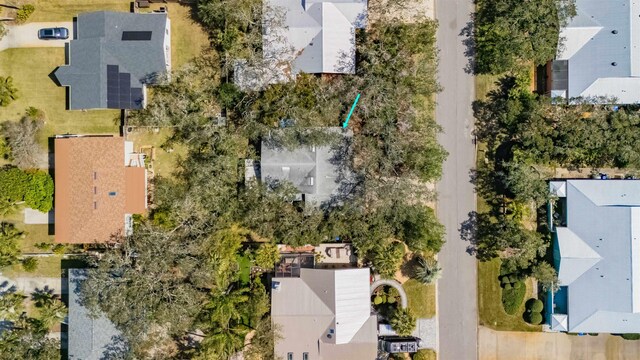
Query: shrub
[(424, 354), (267, 256), (507, 286), (428, 271), (30, 264), (518, 284), (391, 299), (33, 187), (403, 322), (377, 300), (35, 113), (513, 279), (8, 92), (512, 298), (24, 12), (59, 249), (505, 280), (631, 336), (535, 318), (534, 305)]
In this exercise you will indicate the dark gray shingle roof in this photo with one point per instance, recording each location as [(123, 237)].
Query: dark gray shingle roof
[(100, 45)]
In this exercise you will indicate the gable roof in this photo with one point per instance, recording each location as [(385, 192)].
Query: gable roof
[(599, 35), (94, 189), (599, 253), (89, 338), (326, 313), (114, 56)]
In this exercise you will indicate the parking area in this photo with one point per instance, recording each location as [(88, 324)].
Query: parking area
[(26, 36), (509, 345)]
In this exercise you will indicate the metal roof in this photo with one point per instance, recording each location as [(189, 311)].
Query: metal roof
[(602, 51), (305, 37), (325, 313), (89, 339), (599, 255), (107, 68)]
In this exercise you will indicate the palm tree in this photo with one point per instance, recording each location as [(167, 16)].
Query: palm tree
[(8, 92), (43, 298), (427, 271), (52, 313), (403, 322)]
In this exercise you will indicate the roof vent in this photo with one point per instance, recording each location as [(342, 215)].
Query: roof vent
[(310, 181), (614, 64), (614, 32)]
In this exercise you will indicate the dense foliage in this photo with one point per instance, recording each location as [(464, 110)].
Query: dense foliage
[(34, 187), (513, 296), (9, 250), (511, 33), (403, 321)]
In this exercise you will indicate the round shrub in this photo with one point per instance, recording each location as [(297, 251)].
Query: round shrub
[(507, 286), (30, 264), (535, 318), (505, 280), (513, 278), (377, 300), (424, 354), (536, 306), (391, 299)]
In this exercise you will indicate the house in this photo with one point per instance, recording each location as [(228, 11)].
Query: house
[(324, 314), (114, 56), (598, 55), (90, 338), (315, 171), (313, 37), (597, 255), (99, 183)]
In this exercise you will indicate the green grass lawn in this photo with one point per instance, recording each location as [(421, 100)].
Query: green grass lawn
[(484, 84), (245, 268), (34, 234), (65, 10), (491, 312), (421, 298), (30, 69), (50, 266), (188, 38)]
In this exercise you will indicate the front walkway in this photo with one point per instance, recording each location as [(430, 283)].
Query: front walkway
[(26, 36), (508, 345)]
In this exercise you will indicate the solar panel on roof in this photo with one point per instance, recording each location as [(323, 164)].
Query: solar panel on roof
[(136, 35)]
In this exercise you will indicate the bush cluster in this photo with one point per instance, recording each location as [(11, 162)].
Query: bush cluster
[(513, 291), (533, 313), (34, 187)]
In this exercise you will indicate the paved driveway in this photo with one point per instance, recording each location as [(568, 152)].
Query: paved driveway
[(457, 307), (26, 36), (507, 345)]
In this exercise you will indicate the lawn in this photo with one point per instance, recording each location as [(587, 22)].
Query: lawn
[(49, 266), (30, 69), (65, 10), (421, 298), (484, 84), (188, 38), (165, 163), (244, 262), (491, 312), (34, 234)]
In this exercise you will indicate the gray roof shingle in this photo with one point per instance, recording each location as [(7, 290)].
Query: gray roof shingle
[(100, 44)]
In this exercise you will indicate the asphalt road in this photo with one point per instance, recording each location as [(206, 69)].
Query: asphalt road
[(457, 291)]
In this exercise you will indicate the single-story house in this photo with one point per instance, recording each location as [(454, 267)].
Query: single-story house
[(597, 56), (314, 170), (99, 184), (90, 338), (313, 37), (114, 56), (597, 255), (324, 315)]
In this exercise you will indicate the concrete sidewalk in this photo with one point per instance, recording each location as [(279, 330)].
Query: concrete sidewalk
[(26, 36), (508, 345)]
